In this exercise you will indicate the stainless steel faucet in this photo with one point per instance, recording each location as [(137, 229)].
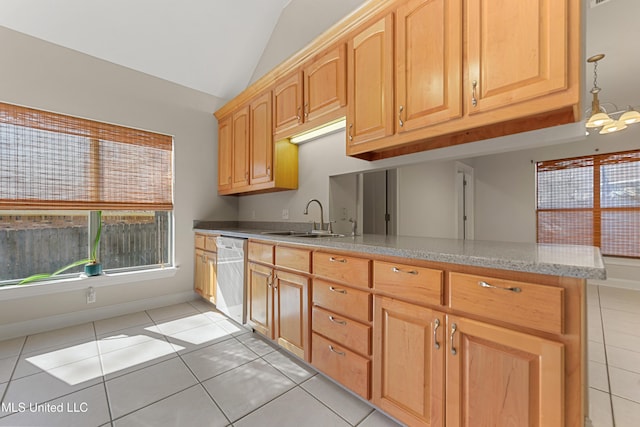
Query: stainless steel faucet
[(306, 212)]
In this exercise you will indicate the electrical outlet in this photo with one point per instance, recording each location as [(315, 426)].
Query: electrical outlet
[(344, 214), (285, 213), (91, 295)]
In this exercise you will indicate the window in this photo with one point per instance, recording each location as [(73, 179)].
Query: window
[(57, 171), (591, 200)]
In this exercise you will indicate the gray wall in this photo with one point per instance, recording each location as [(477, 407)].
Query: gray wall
[(42, 75)]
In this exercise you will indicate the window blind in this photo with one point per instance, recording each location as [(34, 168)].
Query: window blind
[(54, 161), (591, 200)]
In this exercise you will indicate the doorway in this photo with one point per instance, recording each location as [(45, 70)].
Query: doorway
[(379, 204)]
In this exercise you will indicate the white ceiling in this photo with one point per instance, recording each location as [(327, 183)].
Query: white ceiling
[(214, 45), (209, 45)]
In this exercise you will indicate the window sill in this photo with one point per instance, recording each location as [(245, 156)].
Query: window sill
[(83, 282)]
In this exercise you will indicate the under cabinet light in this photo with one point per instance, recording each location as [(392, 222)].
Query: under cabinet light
[(321, 131)]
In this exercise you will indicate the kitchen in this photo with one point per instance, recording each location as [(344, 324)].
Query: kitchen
[(504, 200)]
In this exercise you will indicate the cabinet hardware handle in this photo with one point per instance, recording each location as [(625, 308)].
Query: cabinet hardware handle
[(488, 285), (340, 291), (268, 170), (398, 270), (270, 281), (306, 111), (400, 116), (350, 134), (298, 115), (436, 325), (474, 85), (339, 353), (454, 328), (334, 259), (339, 322)]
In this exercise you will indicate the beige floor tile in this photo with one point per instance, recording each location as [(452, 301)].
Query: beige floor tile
[(625, 384), (218, 358), (598, 376), (122, 322), (623, 340), (171, 311), (623, 359), (290, 367), (625, 412), (191, 407), (293, 409), (593, 299), (621, 321), (7, 366), (140, 388), (256, 344), (378, 419), (72, 334), (595, 352), (335, 397), (600, 408), (11, 347), (619, 299)]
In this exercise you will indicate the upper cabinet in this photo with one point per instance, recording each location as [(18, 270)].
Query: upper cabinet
[(414, 75), (516, 51), (312, 95), (370, 59), (249, 160)]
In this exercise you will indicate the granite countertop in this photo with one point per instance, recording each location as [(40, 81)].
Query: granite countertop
[(557, 260)]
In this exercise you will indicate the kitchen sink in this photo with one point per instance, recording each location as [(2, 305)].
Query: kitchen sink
[(300, 234)]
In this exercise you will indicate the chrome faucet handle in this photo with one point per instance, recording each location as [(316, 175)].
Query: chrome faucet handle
[(330, 227), (354, 226)]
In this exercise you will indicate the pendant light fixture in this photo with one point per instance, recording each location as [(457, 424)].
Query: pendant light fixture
[(599, 117)]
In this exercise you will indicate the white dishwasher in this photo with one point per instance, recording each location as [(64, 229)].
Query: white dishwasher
[(231, 286)]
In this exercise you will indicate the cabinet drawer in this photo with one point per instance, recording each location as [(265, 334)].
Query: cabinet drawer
[(525, 304), (349, 369), (347, 301), (343, 331), (210, 243), (294, 258), (346, 269), (416, 284), (200, 241), (260, 252)]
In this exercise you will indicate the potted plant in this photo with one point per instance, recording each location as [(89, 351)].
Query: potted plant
[(92, 267)]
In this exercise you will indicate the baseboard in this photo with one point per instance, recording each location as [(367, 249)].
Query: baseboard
[(617, 283), (43, 324)]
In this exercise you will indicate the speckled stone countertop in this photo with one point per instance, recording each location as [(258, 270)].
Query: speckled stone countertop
[(557, 260)]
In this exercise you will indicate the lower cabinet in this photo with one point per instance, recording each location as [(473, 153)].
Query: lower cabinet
[(494, 376), (205, 275), (408, 362), (278, 307)]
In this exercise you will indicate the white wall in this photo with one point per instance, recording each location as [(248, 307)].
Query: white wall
[(42, 75), (301, 21)]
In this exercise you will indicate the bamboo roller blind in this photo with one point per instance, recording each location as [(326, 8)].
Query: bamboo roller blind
[(53, 161), (591, 200)]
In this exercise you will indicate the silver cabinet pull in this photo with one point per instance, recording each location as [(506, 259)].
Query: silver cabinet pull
[(340, 291), (400, 122), (339, 322), (436, 325), (350, 134), (339, 353), (268, 170), (489, 285), (270, 281), (334, 259), (298, 115), (399, 270), (454, 328), (474, 100), (306, 111)]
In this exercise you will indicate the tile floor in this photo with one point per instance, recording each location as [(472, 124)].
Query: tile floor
[(182, 365), (614, 356), (188, 365)]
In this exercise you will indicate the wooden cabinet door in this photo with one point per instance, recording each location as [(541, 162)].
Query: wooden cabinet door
[(428, 63), (240, 152), (261, 137), (225, 146), (292, 313), (324, 85), (408, 362), (499, 377), (260, 284), (287, 97), (516, 50), (211, 285), (200, 273), (370, 83)]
